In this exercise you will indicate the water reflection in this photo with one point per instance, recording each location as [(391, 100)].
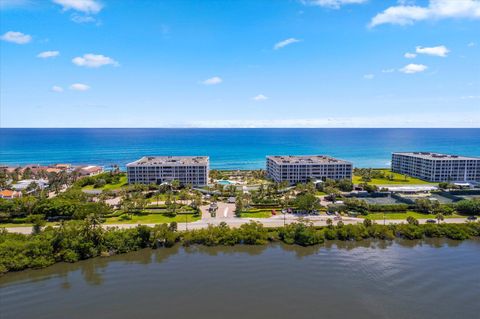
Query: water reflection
[(367, 279), (92, 270), (227, 250)]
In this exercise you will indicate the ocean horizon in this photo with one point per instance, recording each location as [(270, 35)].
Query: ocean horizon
[(228, 148)]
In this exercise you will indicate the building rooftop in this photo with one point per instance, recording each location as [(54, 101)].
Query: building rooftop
[(170, 161), (437, 156), (306, 159), (91, 168)]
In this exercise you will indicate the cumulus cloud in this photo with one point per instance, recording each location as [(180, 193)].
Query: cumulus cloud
[(94, 60), (332, 4), (48, 54), (413, 68), (440, 50), (369, 76), (285, 42), (57, 89), (436, 10), (260, 97), (85, 6), (213, 81), (16, 37), (79, 87), (409, 55)]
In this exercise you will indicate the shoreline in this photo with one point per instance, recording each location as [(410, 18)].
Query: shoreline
[(77, 241)]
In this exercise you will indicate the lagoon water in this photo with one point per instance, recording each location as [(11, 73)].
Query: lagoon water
[(369, 279), (227, 148)]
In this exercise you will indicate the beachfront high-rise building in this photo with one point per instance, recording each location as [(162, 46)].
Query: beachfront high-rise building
[(301, 169), (434, 167), (191, 170)]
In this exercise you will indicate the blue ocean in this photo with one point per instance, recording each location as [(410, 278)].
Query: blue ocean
[(227, 148)]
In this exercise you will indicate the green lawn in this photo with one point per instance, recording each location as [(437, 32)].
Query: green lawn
[(109, 187), (379, 216), (398, 179), (264, 213), (159, 197), (152, 219)]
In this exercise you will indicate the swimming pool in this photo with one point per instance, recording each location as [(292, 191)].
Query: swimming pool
[(225, 182)]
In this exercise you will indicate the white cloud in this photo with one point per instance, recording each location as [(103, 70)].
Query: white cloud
[(213, 81), (332, 4), (413, 68), (48, 54), (79, 87), (16, 37), (77, 18), (388, 70), (260, 97), (94, 60), (85, 6), (470, 97), (369, 76), (57, 89), (285, 42), (440, 50), (409, 55), (471, 44), (436, 10)]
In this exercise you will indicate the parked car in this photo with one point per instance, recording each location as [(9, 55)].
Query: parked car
[(431, 221), (472, 218)]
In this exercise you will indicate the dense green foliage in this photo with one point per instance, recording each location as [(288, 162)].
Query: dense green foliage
[(76, 240), (100, 180), (468, 207), (72, 204), (307, 202), (422, 205)]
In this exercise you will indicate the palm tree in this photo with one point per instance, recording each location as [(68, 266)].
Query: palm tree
[(440, 217), (175, 184), (184, 196), (283, 185)]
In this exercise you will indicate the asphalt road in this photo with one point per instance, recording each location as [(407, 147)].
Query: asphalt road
[(275, 221)]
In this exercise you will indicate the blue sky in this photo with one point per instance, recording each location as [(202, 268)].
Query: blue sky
[(251, 63)]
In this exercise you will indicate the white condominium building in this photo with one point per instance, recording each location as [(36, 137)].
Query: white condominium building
[(191, 170), (434, 167), (305, 168)]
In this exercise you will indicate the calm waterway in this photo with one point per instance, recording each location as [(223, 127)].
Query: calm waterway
[(369, 279)]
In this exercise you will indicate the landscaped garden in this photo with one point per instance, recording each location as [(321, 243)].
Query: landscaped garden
[(152, 218), (384, 177), (403, 216), (104, 182)]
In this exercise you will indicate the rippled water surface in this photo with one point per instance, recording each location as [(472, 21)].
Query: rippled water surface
[(434, 279), (227, 148)]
